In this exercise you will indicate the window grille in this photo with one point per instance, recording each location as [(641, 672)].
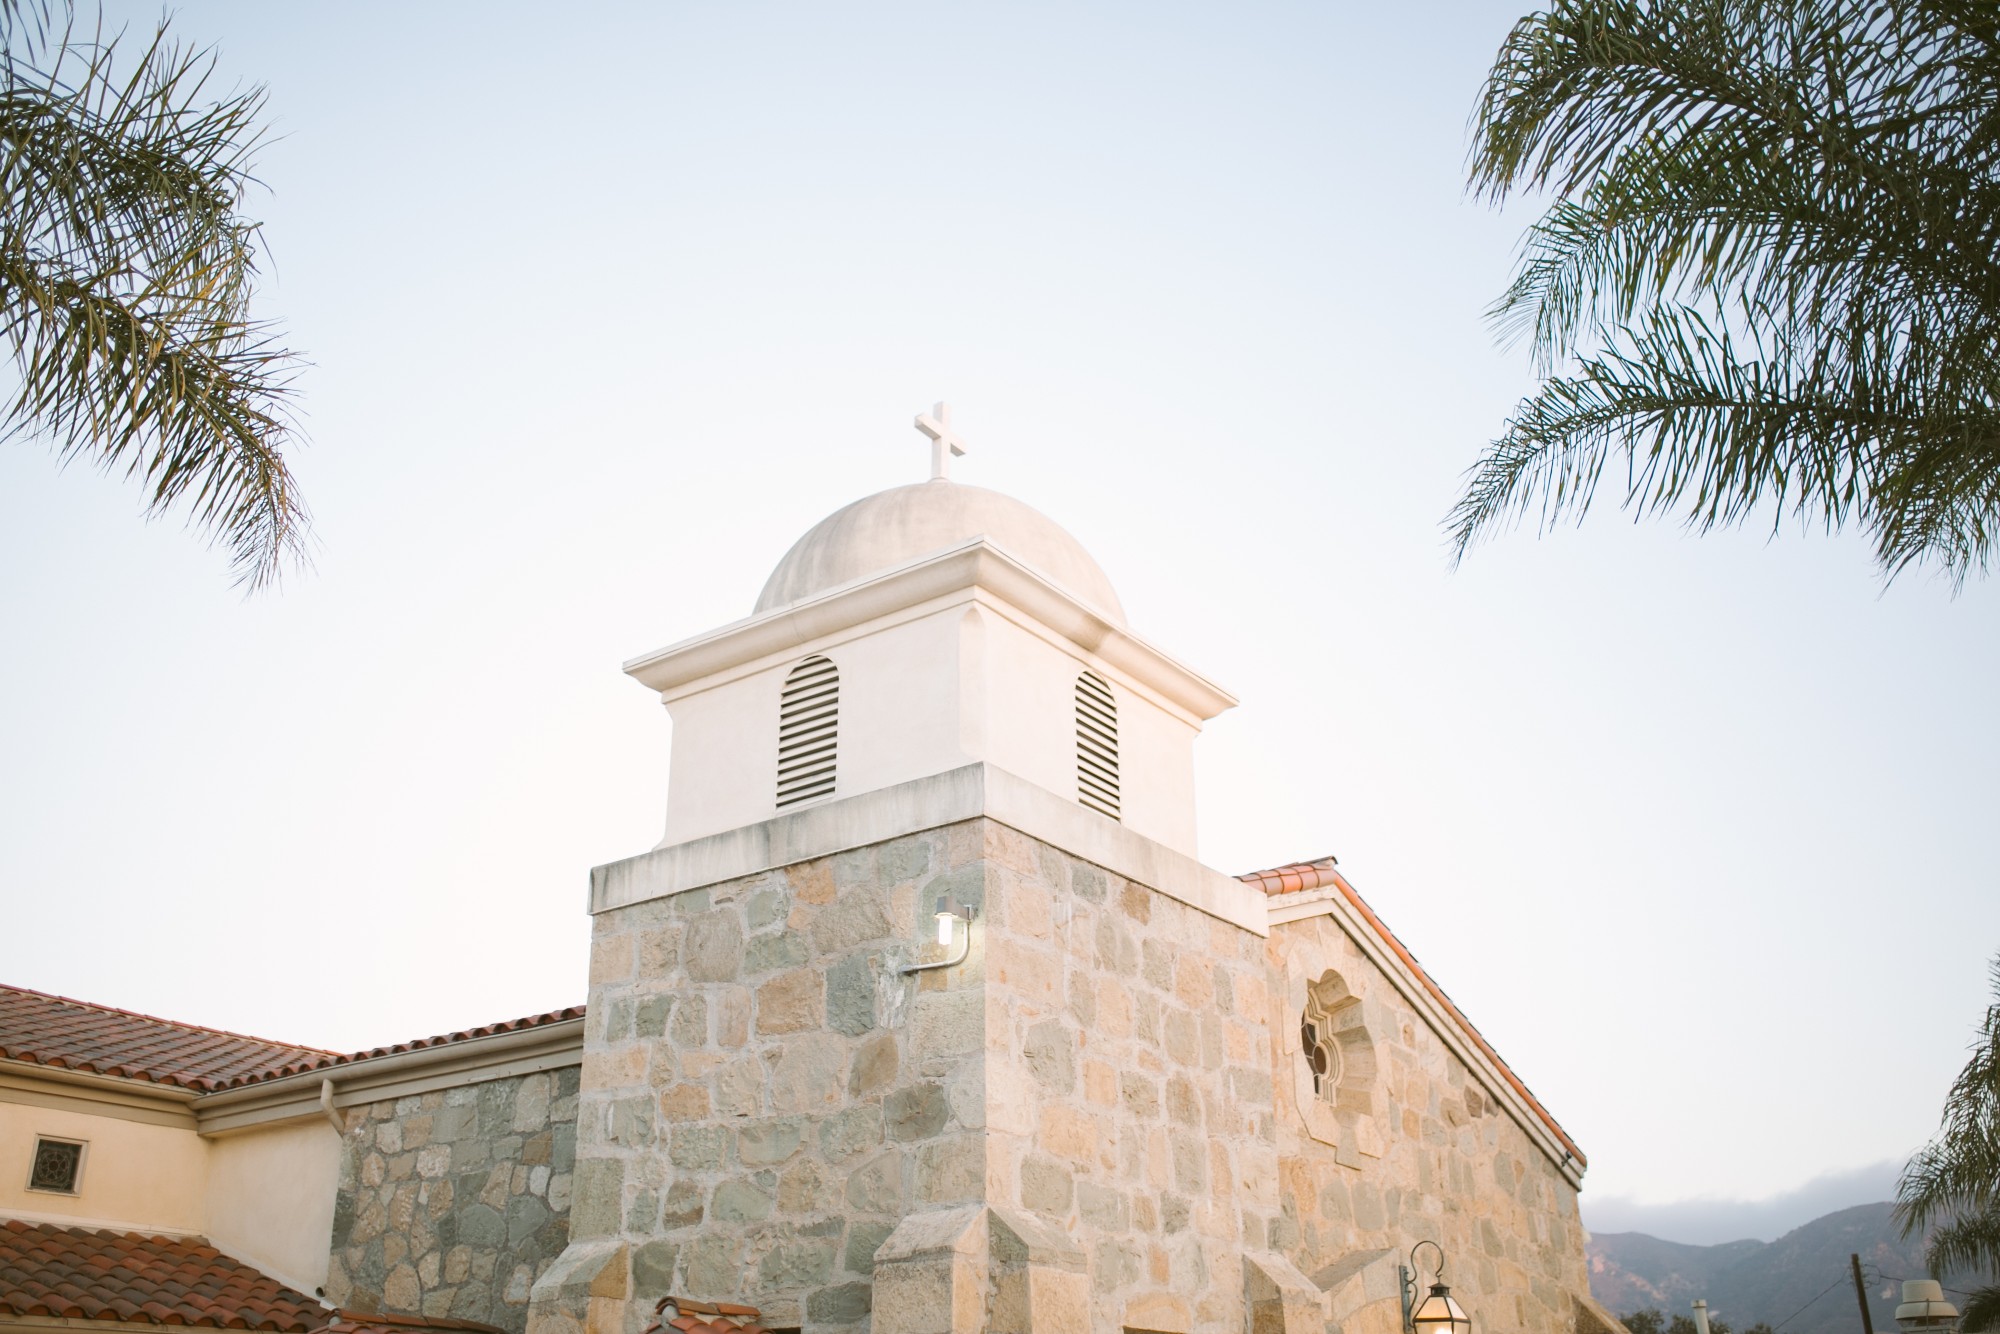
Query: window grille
[(58, 1163), (808, 732), (1096, 745)]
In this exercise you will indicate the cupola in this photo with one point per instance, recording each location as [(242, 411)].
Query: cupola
[(914, 632)]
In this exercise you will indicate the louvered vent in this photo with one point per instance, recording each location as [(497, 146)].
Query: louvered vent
[(1096, 745), (808, 732)]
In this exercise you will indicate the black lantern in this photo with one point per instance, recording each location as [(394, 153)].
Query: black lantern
[(1438, 1312)]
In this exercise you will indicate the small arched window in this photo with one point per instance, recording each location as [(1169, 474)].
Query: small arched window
[(1096, 745), (808, 732)]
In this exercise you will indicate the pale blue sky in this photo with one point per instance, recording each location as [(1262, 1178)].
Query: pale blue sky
[(605, 309)]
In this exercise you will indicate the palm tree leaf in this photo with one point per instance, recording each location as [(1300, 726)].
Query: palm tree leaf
[(126, 272)]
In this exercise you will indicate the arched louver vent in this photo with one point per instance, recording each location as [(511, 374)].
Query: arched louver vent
[(808, 732), (1096, 745)]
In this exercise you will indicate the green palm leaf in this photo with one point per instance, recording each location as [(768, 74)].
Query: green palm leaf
[(126, 272), (1951, 1188), (1770, 277)]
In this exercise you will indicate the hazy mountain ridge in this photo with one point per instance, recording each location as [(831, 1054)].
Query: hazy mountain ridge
[(1750, 1281)]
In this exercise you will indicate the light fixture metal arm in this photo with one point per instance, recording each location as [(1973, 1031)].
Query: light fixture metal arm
[(964, 949)]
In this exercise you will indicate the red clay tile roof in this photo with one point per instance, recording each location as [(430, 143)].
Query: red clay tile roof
[(76, 1035), (80, 1273), (367, 1322), (694, 1317), (70, 1034), (326, 1060), (1297, 877)]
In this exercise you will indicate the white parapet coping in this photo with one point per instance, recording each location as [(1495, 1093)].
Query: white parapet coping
[(976, 563), (967, 793)]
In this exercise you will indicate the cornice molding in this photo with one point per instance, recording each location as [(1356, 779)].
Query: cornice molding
[(400, 1074), (970, 792), (977, 564), (28, 1084)]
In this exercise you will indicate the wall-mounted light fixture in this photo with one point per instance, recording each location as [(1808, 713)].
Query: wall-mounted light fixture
[(950, 912), (1437, 1313)]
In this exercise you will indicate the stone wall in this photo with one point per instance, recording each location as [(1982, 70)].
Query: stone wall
[(767, 1101), (1422, 1151), (1092, 1124), (453, 1202), (764, 1098), (1130, 1089)]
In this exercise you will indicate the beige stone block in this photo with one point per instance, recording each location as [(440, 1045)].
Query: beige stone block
[(659, 950), (612, 959), (401, 1291), (916, 1298), (1100, 1083), (811, 882), (1253, 998), (732, 1017), (615, 1068), (1135, 901), (792, 1002), (875, 1064), (684, 1102), (1068, 1132), (808, 1076), (1031, 973), (1164, 1311), (739, 1088), (1194, 982), (689, 1065), (1027, 910), (950, 1171), (950, 1023), (1159, 1159), (1114, 1008)]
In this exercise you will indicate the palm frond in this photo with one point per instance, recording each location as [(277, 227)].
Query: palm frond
[(1773, 218), (1981, 1312), (126, 274)]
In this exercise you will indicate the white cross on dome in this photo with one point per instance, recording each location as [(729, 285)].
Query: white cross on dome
[(945, 442)]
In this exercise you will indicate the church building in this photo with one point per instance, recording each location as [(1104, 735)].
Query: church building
[(923, 1018)]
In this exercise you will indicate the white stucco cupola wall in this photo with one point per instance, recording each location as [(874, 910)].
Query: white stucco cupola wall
[(917, 631)]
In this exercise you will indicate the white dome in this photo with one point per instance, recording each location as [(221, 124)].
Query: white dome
[(894, 527)]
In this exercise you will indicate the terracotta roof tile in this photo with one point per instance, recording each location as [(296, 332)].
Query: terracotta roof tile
[(1292, 877), (371, 1322), (67, 1034), (80, 1273), (692, 1317), (326, 1060), (1321, 873)]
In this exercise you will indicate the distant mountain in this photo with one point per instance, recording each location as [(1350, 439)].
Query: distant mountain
[(1802, 1278)]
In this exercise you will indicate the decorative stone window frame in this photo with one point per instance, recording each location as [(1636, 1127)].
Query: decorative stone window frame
[(1340, 1111), (82, 1147)]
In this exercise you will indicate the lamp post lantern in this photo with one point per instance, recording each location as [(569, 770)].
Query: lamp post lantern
[(1438, 1312), (1924, 1308)]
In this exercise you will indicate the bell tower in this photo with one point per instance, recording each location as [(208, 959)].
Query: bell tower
[(913, 633)]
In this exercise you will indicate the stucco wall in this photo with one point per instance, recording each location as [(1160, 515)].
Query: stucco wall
[(264, 1196), (135, 1176), (271, 1197), (452, 1203)]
